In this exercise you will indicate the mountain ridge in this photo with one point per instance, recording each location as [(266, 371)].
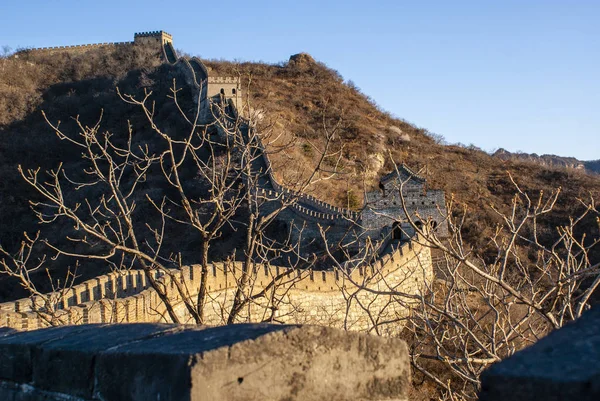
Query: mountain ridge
[(550, 160)]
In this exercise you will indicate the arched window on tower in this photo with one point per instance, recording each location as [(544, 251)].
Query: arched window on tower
[(382, 187), (233, 91)]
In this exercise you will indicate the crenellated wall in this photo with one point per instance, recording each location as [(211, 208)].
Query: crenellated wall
[(75, 49), (160, 37), (154, 38), (316, 297)]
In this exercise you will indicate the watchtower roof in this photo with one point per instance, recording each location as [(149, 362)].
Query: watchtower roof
[(403, 169)]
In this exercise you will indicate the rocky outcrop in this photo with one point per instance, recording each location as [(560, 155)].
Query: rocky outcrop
[(302, 60)]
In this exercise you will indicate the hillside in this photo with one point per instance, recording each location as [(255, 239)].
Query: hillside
[(302, 95), (63, 85), (298, 99)]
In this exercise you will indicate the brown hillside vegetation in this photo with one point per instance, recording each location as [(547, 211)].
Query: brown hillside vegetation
[(302, 93), (301, 98), (63, 85)]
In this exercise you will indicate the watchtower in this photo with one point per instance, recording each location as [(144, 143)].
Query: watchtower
[(384, 212), (226, 88), (159, 38)]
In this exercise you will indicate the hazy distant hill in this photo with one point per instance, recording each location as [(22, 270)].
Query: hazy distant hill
[(550, 160), (593, 165)]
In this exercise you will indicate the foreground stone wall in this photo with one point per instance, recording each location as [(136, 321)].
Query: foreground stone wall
[(565, 366), (143, 362), (330, 298)]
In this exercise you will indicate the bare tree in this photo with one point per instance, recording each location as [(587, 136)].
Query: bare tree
[(230, 171), (21, 266), (479, 308), (485, 309)]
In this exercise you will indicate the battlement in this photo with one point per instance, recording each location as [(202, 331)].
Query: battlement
[(314, 296), (162, 36), (223, 80), (153, 33), (75, 48)]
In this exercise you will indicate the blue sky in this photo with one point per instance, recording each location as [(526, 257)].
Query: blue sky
[(523, 75)]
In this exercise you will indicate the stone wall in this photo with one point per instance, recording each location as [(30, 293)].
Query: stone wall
[(249, 362), (563, 366), (316, 297), (331, 299), (75, 49), (155, 38), (103, 295)]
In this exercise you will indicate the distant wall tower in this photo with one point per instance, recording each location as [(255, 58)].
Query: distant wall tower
[(154, 38)]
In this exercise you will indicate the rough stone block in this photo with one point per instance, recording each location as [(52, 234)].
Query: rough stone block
[(175, 362), (565, 365), (256, 362), (16, 362), (7, 331), (66, 364)]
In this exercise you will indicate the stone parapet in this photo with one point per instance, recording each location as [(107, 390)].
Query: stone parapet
[(140, 362), (316, 297), (158, 37), (565, 366)]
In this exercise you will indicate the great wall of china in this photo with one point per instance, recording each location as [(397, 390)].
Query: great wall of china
[(331, 298), (357, 299)]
